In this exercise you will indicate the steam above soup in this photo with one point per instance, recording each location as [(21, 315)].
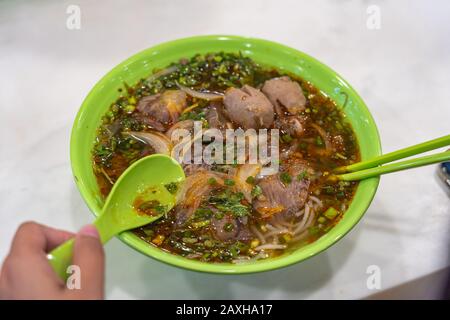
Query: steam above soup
[(231, 212)]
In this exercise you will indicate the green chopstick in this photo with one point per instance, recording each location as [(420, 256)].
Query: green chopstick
[(371, 168)]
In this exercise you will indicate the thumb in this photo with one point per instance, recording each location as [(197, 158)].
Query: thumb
[(88, 254)]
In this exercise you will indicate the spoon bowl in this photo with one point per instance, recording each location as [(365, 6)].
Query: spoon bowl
[(144, 180)]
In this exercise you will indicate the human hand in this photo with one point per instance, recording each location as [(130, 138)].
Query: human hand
[(27, 274)]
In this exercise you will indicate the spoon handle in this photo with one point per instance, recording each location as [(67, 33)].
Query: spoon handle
[(60, 258)]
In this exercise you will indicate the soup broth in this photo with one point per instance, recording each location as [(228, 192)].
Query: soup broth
[(230, 212)]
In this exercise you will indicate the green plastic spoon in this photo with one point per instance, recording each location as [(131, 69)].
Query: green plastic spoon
[(145, 180)]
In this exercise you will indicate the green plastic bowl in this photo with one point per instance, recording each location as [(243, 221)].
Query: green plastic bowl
[(264, 52)]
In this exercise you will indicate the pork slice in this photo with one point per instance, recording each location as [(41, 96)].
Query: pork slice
[(248, 108), (285, 93)]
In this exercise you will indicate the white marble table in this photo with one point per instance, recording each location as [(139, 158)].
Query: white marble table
[(402, 71)]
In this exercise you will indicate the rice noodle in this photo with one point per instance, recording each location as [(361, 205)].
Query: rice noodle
[(278, 225), (276, 232), (240, 260), (316, 200), (245, 259), (301, 236), (270, 227), (193, 255), (270, 246), (286, 224), (258, 234), (310, 221), (300, 213), (301, 226), (281, 225)]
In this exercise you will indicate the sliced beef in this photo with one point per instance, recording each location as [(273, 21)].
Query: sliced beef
[(285, 93), (283, 198), (248, 108), (149, 122), (215, 115), (190, 169), (292, 125), (239, 231), (164, 108)]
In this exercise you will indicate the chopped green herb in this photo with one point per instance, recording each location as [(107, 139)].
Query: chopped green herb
[(319, 141), (229, 182), (203, 213), (340, 195), (192, 115), (228, 227), (130, 108), (302, 175), (219, 215), (331, 213), (161, 209), (313, 230), (229, 202), (250, 180), (321, 220), (256, 191), (285, 178), (190, 240), (149, 233), (172, 187), (209, 243), (328, 190), (148, 205), (212, 181), (340, 156), (287, 138), (152, 207)]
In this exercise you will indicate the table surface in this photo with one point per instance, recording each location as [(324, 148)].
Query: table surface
[(401, 70)]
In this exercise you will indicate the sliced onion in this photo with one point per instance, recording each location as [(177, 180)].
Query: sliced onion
[(195, 187), (186, 148), (158, 141), (161, 73), (324, 136), (185, 124), (209, 96), (243, 172)]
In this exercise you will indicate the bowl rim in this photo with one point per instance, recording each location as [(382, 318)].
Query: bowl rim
[(259, 266)]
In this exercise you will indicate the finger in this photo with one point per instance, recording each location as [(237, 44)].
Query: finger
[(33, 237), (88, 254)]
